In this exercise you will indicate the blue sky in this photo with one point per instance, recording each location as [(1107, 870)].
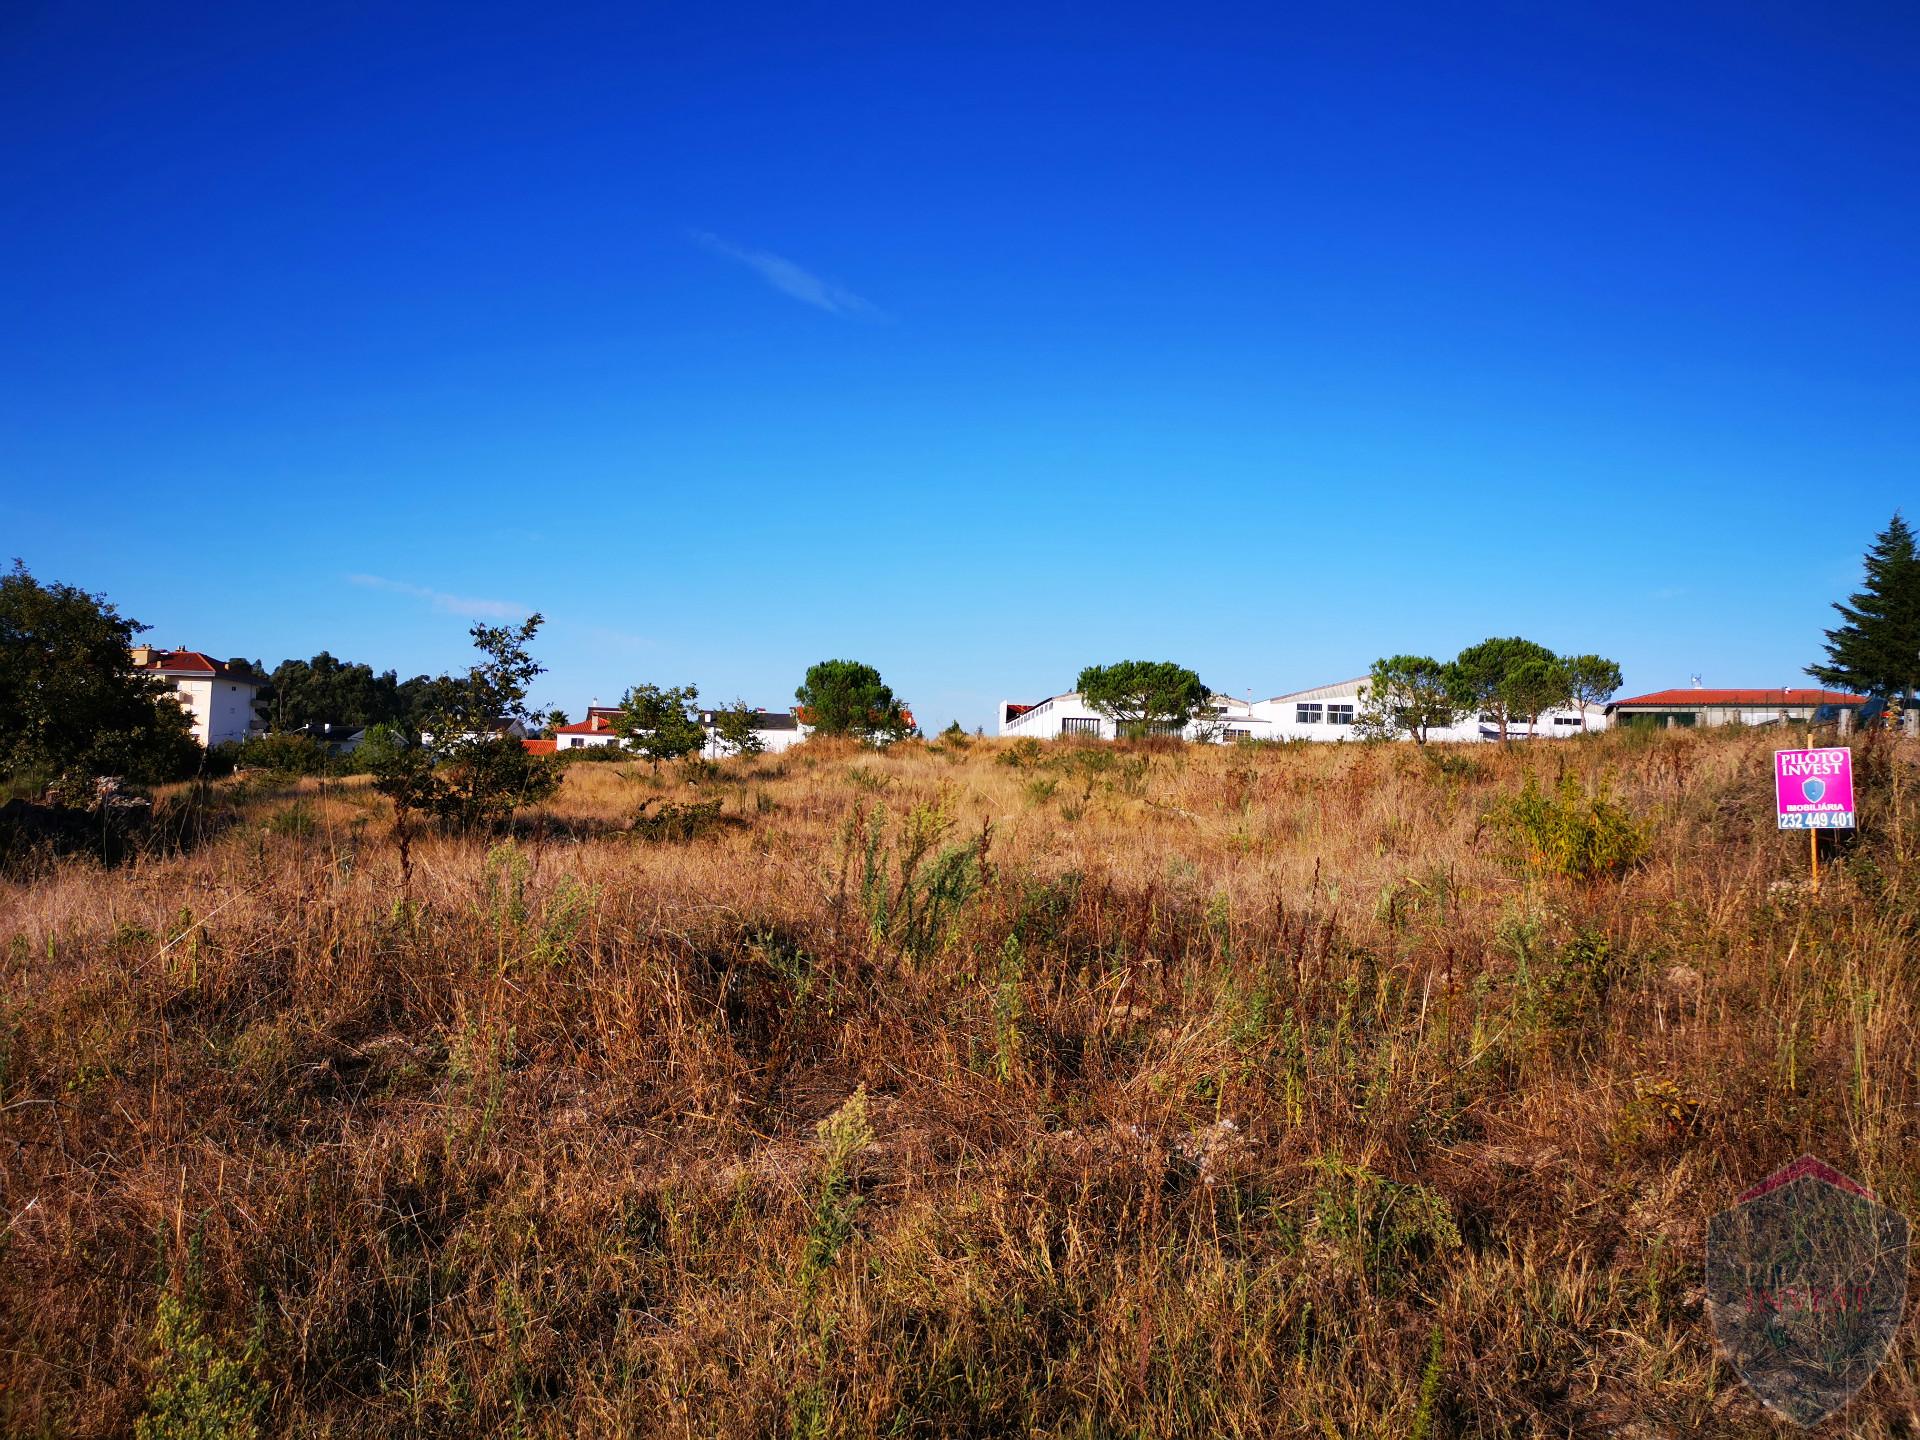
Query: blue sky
[(979, 345)]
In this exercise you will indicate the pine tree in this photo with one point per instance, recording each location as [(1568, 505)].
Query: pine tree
[(1876, 650)]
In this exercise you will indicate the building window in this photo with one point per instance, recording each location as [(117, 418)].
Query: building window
[(1080, 725), (1660, 718), (1231, 733), (1304, 714), (1339, 714), (1566, 719)]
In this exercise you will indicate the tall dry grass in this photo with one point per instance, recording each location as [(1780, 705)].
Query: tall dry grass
[(961, 1089)]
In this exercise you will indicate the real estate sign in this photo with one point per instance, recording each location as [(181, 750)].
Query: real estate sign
[(1813, 789)]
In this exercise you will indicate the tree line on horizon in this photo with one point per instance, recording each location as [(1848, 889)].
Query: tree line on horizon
[(73, 705)]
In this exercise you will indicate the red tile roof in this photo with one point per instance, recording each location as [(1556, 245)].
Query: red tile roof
[(1690, 696), (599, 721), (192, 662), (539, 747)]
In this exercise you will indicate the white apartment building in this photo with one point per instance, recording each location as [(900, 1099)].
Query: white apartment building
[(218, 698)]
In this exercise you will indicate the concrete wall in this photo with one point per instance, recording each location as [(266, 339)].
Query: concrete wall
[(221, 710)]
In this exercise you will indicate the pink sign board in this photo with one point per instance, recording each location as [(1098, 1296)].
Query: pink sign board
[(1813, 789)]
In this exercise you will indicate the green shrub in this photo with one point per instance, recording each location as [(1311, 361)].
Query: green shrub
[(480, 783), (675, 822), (1581, 834), (283, 754), (918, 906), (1023, 753), (293, 822), (1576, 987), (201, 1386), (376, 748), (1386, 1228), (843, 1135), (595, 755)]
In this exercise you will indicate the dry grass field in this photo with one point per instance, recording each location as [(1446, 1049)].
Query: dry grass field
[(961, 1089)]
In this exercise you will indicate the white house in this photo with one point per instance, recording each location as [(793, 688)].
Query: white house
[(596, 729), (1329, 712), (505, 730), (778, 730), (218, 698), (1227, 719)]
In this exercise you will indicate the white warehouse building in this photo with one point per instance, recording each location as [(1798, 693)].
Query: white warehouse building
[(1325, 712), (1230, 719), (1328, 712)]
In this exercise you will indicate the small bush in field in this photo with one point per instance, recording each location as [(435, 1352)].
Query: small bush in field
[(917, 909), (1581, 834), (1584, 974), (843, 1135), (293, 822), (594, 755), (1023, 753), (1385, 1227), (283, 755), (675, 822), (201, 1387)]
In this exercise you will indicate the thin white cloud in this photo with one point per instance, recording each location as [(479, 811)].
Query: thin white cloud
[(791, 280), (621, 639), (440, 600)]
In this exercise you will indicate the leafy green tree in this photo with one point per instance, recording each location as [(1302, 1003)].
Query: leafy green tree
[(71, 702), (1875, 650), (422, 698), (1591, 680), (329, 691), (1494, 679), (846, 697), (660, 724), (464, 771), (1409, 695), (734, 728), (1140, 696), (379, 747), (1536, 686)]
